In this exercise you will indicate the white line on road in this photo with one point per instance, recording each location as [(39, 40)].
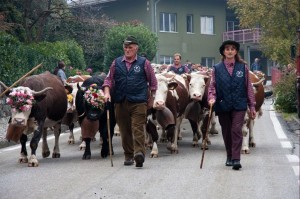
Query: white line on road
[(50, 137)]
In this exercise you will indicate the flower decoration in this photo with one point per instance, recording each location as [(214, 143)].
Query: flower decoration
[(94, 97), (20, 100)]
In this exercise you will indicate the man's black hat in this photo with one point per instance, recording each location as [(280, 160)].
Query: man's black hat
[(229, 42), (130, 40)]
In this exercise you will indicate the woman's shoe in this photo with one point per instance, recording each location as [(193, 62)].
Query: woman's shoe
[(236, 165), (228, 162)]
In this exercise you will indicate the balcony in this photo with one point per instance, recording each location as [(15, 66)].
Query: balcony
[(245, 36)]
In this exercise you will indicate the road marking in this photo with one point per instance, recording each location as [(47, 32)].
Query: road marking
[(286, 144), (293, 158), (50, 137), (296, 170), (278, 129)]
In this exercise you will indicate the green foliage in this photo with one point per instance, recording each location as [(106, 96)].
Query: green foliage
[(285, 92), (16, 59), (116, 35), (278, 20)]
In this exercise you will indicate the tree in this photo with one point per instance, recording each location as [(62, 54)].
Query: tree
[(115, 36), (278, 20)]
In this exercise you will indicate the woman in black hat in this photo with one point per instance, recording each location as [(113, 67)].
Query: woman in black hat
[(231, 93)]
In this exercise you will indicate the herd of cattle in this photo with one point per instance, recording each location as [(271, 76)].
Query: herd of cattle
[(178, 97)]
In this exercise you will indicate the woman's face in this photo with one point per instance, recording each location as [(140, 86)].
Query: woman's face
[(230, 51)]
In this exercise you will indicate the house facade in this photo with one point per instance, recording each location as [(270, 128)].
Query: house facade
[(193, 28)]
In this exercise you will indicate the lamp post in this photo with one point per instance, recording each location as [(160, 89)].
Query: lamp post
[(298, 73)]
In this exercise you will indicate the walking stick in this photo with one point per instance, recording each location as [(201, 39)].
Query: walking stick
[(21, 79), (108, 130), (205, 139)]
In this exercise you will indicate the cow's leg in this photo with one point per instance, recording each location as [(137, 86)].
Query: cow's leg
[(104, 135), (57, 131), (87, 152), (245, 131), (152, 131), (33, 162), (205, 135), (82, 146), (23, 155), (196, 133), (174, 145), (251, 134), (45, 147), (213, 129), (71, 139)]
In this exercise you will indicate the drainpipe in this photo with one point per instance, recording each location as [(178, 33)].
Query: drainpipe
[(155, 24)]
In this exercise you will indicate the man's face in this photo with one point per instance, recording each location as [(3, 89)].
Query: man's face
[(176, 60), (130, 50)]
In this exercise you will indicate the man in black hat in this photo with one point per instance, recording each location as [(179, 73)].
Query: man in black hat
[(131, 77), (231, 93)]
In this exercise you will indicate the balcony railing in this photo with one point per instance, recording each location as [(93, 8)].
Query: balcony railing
[(243, 36)]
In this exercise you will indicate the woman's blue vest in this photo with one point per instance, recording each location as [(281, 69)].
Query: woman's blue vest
[(231, 91), (131, 84), (179, 70)]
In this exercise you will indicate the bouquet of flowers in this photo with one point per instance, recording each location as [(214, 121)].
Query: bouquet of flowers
[(20, 100), (94, 97)]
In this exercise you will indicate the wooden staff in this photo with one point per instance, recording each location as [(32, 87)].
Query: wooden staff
[(109, 138), (205, 139), (38, 66)]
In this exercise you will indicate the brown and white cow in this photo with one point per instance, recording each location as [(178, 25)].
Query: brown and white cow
[(170, 102), (247, 129), (70, 117), (197, 110), (45, 108)]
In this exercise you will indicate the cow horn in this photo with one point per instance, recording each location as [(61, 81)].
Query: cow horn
[(36, 93), (259, 82)]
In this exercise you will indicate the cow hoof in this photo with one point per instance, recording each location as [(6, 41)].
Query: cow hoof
[(46, 154), (163, 140), (33, 162), (206, 147), (153, 155), (195, 144), (245, 151), (179, 138), (23, 160), (252, 144), (55, 155), (86, 157), (174, 151), (213, 132), (71, 141)]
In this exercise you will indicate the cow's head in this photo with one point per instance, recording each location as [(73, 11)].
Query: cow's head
[(21, 99), (166, 83), (93, 101), (197, 83), (255, 85)]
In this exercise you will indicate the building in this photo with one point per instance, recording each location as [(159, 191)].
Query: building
[(193, 28)]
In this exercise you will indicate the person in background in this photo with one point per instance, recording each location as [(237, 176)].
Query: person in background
[(255, 66), (60, 71), (231, 93), (130, 79), (177, 67)]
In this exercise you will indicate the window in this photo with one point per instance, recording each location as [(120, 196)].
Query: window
[(230, 26), (189, 24), (208, 61), (168, 22), (207, 25), (164, 59)]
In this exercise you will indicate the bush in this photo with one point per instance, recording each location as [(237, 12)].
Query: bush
[(285, 92), (114, 40), (16, 58)]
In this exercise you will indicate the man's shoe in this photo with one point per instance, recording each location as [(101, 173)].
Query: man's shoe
[(236, 165), (128, 162), (139, 159), (228, 162)]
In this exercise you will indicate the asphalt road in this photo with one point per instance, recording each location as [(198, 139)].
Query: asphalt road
[(271, 170)]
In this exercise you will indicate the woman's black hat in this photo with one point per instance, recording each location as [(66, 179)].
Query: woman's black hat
[(229, 42)]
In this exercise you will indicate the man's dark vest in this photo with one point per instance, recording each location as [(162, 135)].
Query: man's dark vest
[(179, 70), (131, 84), (230, 90)]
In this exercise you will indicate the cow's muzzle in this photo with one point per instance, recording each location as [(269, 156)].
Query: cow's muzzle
[(159, 105), (19, 122)]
